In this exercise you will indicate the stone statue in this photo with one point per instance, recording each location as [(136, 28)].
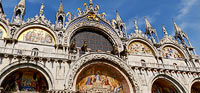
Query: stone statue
[(69, 14), (164, 30), (12, 32), (42, 9), (135, 24), (60, 36)]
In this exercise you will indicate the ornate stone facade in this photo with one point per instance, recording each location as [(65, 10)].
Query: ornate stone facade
[(38, 56)]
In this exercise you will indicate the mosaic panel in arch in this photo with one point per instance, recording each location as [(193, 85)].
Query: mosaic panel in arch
[(103, 77), (172, 53), (25, 80), (37, 35), (2, 32), (139, 48)]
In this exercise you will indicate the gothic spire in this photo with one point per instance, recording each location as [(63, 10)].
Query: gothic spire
[(176, 27), (164, 30), (147, 24), (150, 31), (61, 10), (118, 18), (1, 8), (21, 3)]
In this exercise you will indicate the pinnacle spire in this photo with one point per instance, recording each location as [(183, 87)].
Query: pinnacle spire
[(21, 3), (148, 25), (118, 18), (177, 28), (1, 8), (61, 7)]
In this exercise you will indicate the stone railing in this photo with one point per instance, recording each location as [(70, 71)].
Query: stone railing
[(166, 66), (35, 53)]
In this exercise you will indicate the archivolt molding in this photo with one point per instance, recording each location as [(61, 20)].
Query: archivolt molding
[(89, 57), (85, 22), (171, 79), (4, 25), (23, 64)]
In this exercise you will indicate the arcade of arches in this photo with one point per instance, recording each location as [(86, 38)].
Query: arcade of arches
[(25, 79)]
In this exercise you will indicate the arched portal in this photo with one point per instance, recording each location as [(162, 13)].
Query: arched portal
[(163, 85), (111, 62), (102, 77), (25, 79), (195, 87)]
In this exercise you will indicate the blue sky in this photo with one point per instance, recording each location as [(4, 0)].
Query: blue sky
[(185, 12)]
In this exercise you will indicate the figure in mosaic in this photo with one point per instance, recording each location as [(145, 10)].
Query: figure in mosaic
[(172, 53), (38, 37), (101, 77), (139, 48)]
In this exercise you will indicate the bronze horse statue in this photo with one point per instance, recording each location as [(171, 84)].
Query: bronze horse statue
[(84, 47), (124, 53), (115, 50)]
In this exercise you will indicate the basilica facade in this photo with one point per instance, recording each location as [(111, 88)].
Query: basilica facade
[(86, 53)]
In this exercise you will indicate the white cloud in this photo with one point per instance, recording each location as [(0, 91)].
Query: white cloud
[(186, 6), (188, 19), (140, 21)]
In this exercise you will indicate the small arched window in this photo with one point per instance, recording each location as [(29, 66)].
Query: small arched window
[(143, 63), (35, 52)]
